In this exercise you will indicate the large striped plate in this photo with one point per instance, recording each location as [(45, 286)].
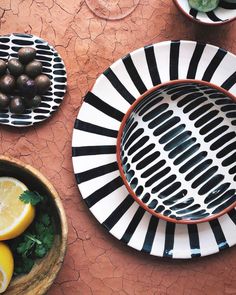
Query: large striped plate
[(94, 147), (53, 67)]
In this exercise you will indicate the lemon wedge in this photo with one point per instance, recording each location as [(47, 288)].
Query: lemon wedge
[(6, 266), (15, 216)]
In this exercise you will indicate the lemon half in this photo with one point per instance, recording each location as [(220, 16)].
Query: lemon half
[(15, 216), (6, 267)]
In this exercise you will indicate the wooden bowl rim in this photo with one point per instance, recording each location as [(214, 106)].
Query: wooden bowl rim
[(60, 211)]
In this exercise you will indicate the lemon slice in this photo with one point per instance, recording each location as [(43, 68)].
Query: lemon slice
[(15, 216), (6, 267)]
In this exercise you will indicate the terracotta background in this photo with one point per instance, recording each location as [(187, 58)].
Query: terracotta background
[(96, 263)]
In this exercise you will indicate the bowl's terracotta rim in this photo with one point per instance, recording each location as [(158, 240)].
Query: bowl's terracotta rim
[(199, 21), (118, 151), (60, 211)]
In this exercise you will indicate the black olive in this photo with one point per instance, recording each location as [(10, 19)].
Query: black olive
[(7, 83), (26, 54), (17, 105), (3, 67), (4, 101), (21, 80), (33, 69), (15, 67), (42, 83), (27, 87), (32, 102)]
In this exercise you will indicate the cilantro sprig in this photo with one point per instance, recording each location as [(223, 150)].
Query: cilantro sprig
[(38, 239)]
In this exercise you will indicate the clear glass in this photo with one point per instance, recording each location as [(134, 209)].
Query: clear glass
[(112, 9)]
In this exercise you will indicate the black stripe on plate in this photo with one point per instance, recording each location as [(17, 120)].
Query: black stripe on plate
[(194, 240), (174, 60), (193, 12), (96, 172), (219, 235), (213, 17), (133, 73), (118, 212), (229, 82), (133, 225), (198, 51), (220, 54), (152, 64), (152, 227), (111, 76), (93, 150), (91, 128), (102, 106), (104, 191), (169, 239), (232, 215), (227, 5)]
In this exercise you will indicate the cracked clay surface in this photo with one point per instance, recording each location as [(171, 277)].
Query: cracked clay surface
[(96, 263)]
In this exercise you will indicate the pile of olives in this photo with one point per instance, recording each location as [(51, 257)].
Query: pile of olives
[(22, 82)]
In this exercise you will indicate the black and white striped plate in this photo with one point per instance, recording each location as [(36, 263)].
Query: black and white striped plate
[(53, 67), (225, 12), (94, 147)]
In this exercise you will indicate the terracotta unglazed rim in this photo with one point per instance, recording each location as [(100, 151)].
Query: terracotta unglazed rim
[(118, 151), (61, 214), (220, 23)]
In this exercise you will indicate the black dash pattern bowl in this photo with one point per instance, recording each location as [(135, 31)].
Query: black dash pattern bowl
[(176, 151), (53, 67), (224, 13)]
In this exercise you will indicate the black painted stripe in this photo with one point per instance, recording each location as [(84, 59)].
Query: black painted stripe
[(229, 82), (227, 5), (163, 184), (174, 60), (118, 212), (93, 150), (213, 17), (142, 153), (194, 240), (116, 83), (219, 235), (150, 235), (104, 191), (133, 225), (102, 106), (133, 73), (146, 161), (198, 51), (96, 172), (232, 215), (193, 12), (210, 184), (169, 240), (91, 128), (153, 169), (152, 65), (217, 192), (213, 65)]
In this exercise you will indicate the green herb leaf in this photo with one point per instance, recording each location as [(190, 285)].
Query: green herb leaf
[(33, 198), (40, 251)]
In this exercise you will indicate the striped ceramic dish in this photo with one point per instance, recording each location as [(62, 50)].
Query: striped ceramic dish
[(94, 147), (53, 67), (176, 151), (224, 13)]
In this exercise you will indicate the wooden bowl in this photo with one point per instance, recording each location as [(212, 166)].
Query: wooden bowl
[(41, 277)]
